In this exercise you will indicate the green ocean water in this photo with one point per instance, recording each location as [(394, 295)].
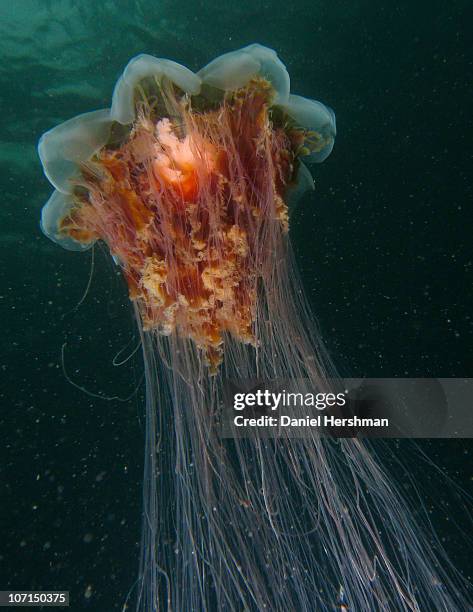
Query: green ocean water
[(383, 244)]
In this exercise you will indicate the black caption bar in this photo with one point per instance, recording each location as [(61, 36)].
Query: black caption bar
[(31, 599)]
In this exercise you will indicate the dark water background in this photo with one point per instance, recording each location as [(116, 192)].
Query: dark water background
[(384, 247)]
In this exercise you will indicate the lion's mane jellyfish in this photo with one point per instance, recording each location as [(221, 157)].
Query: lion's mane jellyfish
[(189, 180)]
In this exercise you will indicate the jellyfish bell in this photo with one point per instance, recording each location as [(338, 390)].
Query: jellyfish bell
[(189, 180), (184, 196)]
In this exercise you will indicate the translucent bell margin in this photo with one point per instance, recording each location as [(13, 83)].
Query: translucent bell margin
[(229, 71), (233, 70), (315, 116), (137, 69), (303, 183), (55, 209), (76, 140)]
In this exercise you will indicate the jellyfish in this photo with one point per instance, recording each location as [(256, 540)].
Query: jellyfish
[(190, 180)]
